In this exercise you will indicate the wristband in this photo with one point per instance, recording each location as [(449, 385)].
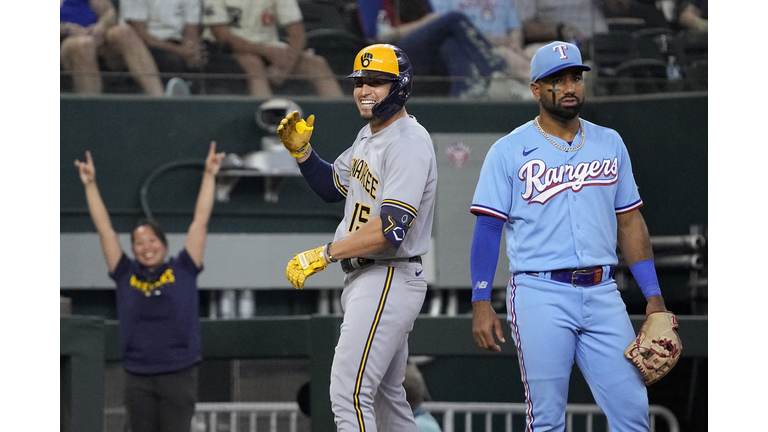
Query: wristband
[(645, 275), (301, 152), (328, 253)]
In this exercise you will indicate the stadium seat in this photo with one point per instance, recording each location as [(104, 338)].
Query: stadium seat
[(609, 50), (640, 76)]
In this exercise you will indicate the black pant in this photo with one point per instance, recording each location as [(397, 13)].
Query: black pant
[(222, 62), (169, 65), (161, 403)]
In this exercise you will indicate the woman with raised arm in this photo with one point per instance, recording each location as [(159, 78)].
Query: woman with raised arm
[(157, 307)]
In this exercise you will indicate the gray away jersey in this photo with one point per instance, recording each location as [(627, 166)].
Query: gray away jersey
[(394, 167)]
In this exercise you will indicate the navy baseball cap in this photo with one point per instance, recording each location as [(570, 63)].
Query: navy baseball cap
[(553, 57)]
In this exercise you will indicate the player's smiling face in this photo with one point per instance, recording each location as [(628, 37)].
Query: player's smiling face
[(368, 92), (562, 93), (148, 248)]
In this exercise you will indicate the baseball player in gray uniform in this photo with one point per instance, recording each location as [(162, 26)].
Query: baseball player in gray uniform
[(388, 179), (563, 190)]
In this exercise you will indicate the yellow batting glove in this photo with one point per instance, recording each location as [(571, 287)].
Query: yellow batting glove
[(305, 264), (295, 133)]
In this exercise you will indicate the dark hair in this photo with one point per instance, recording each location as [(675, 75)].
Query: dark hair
[(155, 227)]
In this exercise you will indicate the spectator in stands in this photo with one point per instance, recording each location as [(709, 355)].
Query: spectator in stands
[(574, 21), (500, 25), (249, 30), (416, 393), (171, 30), (89, 31), (693, 16), (646, 14), (437, 44), (157, 307)]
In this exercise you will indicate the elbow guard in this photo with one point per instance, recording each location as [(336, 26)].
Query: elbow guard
[(395, 222)]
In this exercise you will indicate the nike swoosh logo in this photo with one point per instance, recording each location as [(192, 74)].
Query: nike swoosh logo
[(526, 153), (418, 273)]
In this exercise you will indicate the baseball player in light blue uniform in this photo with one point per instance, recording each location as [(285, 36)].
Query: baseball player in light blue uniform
[(563, 190)]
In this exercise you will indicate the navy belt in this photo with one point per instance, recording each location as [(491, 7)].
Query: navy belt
[(348, 265), (577, 277)]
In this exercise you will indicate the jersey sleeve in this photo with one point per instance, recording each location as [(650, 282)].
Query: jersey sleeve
[(627, 195), (123, 267), (184, 261), (341, 167), (406, 172), (493, 194)]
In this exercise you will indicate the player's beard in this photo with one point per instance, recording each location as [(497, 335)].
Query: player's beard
[(562, 112), (366, 113)]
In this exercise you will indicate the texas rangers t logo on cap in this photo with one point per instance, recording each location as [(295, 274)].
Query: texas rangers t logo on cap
[(562, 48)]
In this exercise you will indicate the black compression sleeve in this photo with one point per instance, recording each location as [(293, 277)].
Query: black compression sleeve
[(319, 174)]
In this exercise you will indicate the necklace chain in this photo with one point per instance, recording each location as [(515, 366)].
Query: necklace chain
[(567, 149)]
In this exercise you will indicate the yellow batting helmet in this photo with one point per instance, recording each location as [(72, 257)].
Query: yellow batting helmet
[(384, 60)]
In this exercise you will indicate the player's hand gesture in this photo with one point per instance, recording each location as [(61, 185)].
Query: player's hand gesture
[(213, 161), (87, 169), (295, 133), (485, 324)]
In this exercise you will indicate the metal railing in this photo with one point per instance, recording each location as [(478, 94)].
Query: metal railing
[(450, 412), (283, 416), (232, 84), (231, 417), (211, 416)]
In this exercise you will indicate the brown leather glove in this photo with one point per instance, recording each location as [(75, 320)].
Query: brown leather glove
[(657, 347)]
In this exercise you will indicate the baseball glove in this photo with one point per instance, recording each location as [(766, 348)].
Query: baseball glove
[(305, 264), (295, 133), (657, 347)]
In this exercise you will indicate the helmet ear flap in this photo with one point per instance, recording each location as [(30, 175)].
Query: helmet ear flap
[(399, 93)]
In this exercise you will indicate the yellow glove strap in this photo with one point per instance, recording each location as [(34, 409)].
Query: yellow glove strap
[(301, 152)]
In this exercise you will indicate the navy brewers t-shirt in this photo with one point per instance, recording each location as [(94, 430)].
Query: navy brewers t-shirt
[(158, 315)]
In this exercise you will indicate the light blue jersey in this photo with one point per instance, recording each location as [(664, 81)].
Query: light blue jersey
[(559, 207), (491, 17)]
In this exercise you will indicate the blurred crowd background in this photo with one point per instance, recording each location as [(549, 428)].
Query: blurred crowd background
[(477, 50)]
